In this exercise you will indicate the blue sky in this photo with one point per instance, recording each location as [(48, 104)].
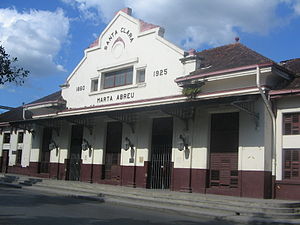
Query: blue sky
[(49, 37)]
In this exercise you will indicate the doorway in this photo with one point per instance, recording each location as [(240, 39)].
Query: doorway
[(45, 154), (112, 168), (5, 159), (161, 152), (224, 141), (75, 152)]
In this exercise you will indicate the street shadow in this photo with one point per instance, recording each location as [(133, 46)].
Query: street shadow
[(11, 198), (42, 220)]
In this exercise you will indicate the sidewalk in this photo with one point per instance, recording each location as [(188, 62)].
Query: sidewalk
[(244, 210)]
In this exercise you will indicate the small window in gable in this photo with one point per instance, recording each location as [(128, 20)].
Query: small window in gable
[(140, 75), (94, 85)]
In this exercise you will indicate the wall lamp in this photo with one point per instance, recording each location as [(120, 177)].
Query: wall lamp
[(85, 145), (182, 144), (52, 145), (128, 144)]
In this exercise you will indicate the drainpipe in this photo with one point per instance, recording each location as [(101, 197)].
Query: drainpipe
[(269, 108), (24, 113)]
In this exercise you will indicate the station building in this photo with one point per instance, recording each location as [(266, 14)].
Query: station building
[(139, 111)]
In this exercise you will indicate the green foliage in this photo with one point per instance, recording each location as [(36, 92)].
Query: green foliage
[(191, 92), (9, 72)]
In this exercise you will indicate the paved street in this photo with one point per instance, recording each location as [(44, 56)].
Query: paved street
[(19, 206)]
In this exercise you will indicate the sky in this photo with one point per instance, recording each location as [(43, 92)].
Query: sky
[(49, 37)]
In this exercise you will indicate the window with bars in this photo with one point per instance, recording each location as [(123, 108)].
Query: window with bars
[(118, 78), (18, 157), (6, 138), (291, 123), (291, 167)]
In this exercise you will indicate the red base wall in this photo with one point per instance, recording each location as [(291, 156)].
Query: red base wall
[(141, 175), (289, 190), (57, 171), (255, 184), (134, 176), (97, 173), (86, 172), (18, 170)]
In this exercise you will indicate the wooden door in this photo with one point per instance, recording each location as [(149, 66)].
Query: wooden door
[(112, 169), (75, 152), (5, 159), (45, 154), (224, 150)]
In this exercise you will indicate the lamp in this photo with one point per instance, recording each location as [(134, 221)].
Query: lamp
[(182, 144), (85, 145), (52, 145), (128, 144)]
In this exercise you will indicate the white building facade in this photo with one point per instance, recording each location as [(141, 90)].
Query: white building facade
[(139, 111)]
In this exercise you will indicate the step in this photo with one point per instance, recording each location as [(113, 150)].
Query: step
[(35, 180), (203, 205), (26, 183)]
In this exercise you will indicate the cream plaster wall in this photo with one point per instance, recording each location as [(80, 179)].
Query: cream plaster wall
[(26, 149), (13, 147), (36, 144), (181, 159), (200, 139), (285, 105)]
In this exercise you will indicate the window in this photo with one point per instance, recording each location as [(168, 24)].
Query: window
[(18, 157), (6, 138), (291, 167), (20, 137), (94, 85), (291, 123), (118, 78), (140, 76)]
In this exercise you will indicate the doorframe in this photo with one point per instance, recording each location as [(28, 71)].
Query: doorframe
[(216, 190), (149, 170), (68, 164)]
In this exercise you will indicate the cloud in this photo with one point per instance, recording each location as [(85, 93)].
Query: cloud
[(35, 38), (295, 5), (194, 23)]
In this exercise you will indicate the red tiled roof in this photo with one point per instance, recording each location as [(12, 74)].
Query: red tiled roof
[(16, 114), (228, 57)]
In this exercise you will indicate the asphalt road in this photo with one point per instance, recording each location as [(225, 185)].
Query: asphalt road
[(19, 206)]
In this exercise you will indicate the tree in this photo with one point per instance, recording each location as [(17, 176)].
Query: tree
[(8, 71)]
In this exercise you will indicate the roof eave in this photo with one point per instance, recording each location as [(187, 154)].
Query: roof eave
[(216, 73)]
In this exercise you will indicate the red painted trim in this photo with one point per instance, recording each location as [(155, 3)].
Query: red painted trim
[(159, 98), (286, 91), (221, 72)]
